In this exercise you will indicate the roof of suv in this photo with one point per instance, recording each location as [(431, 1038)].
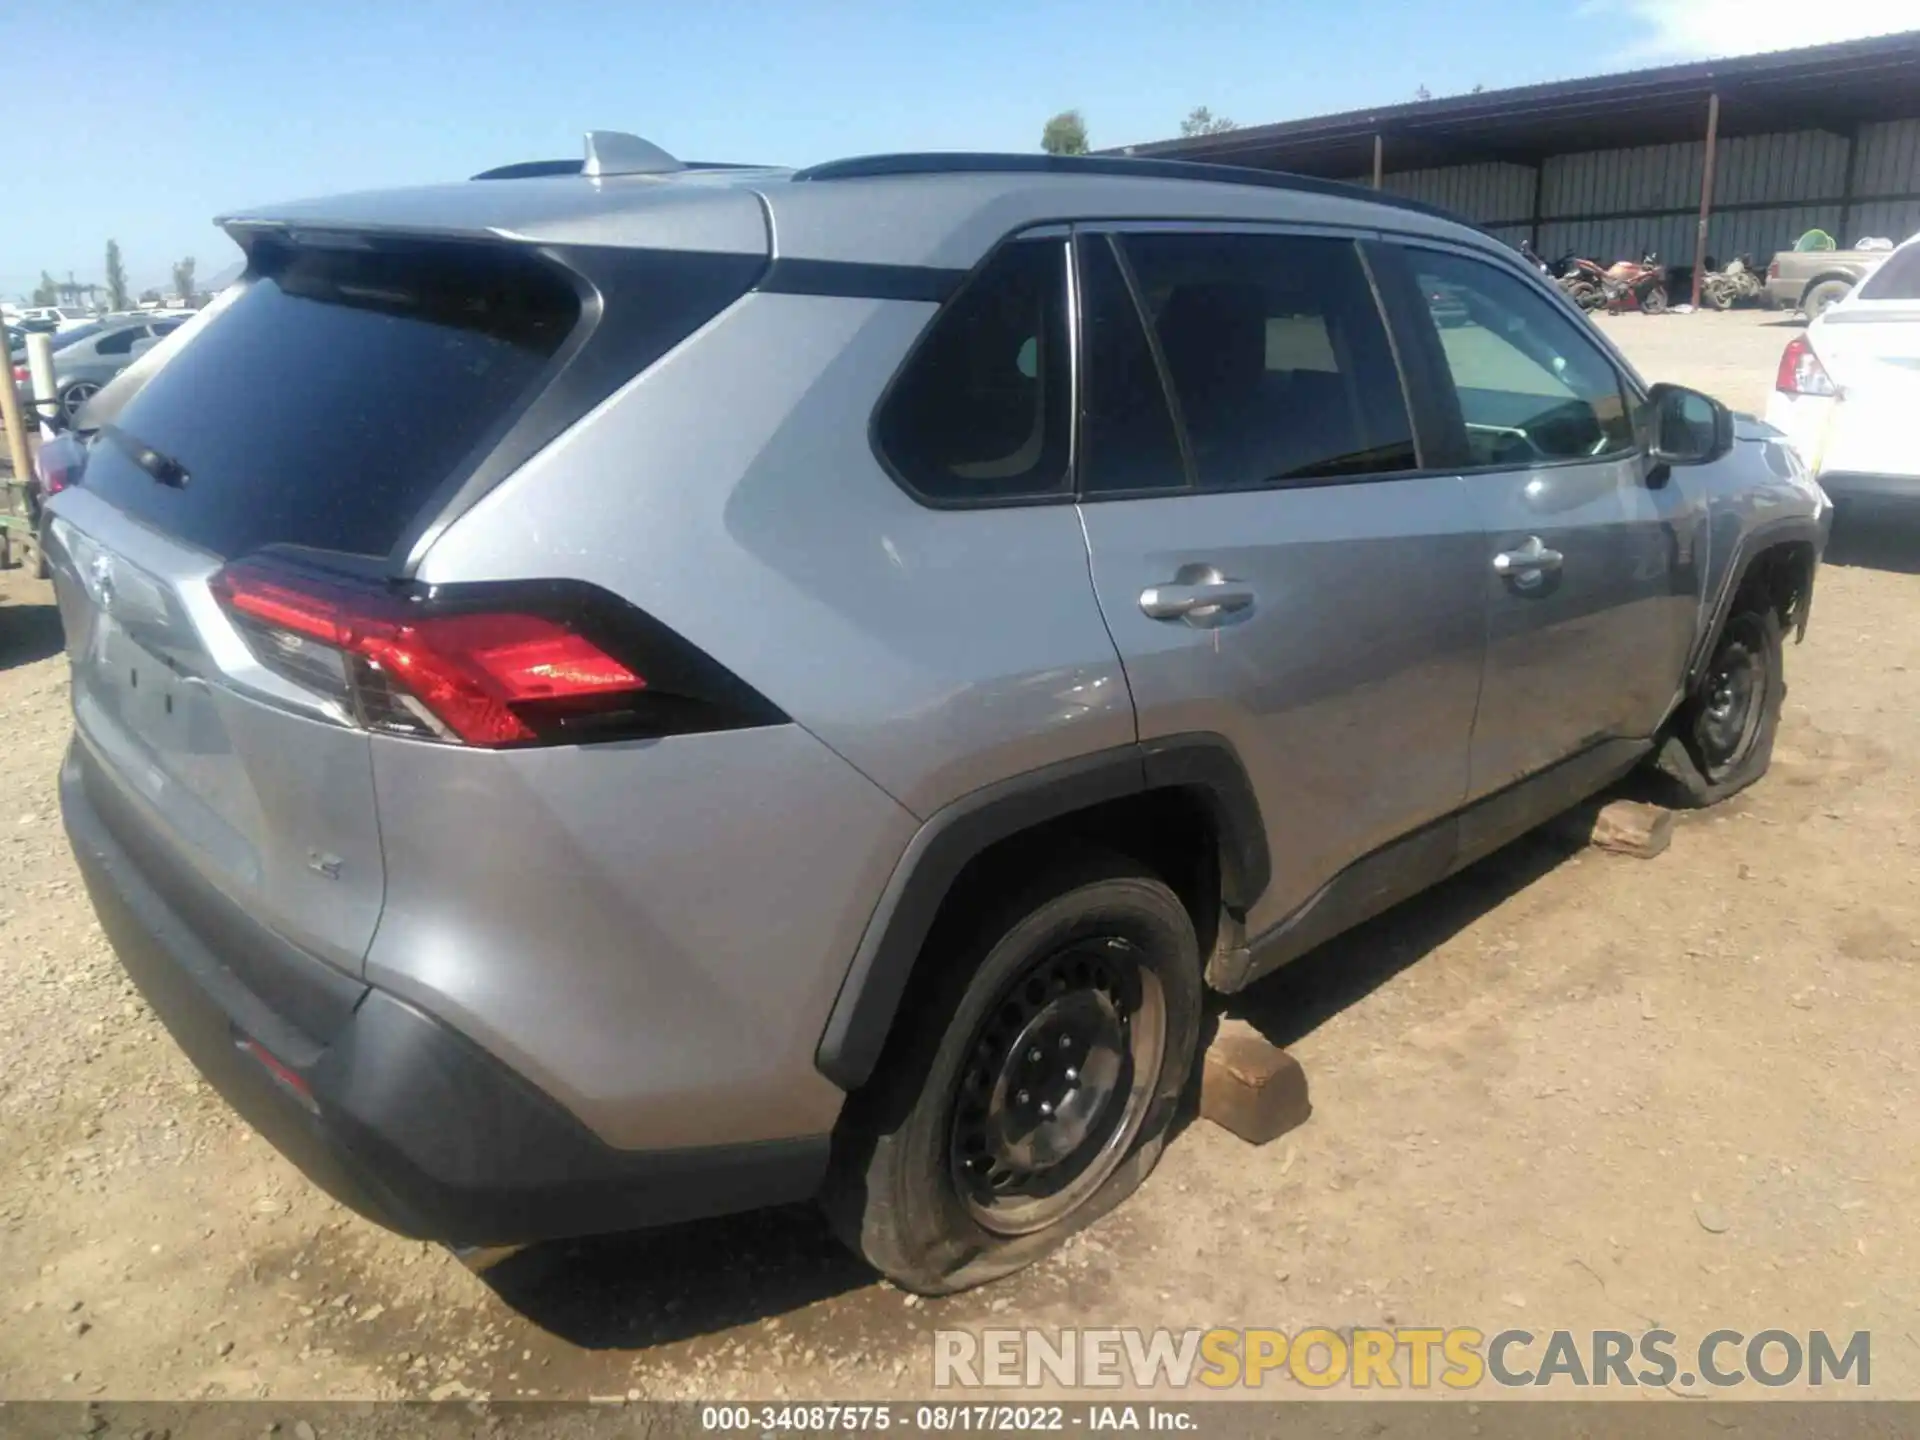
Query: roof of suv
[(920, 210)]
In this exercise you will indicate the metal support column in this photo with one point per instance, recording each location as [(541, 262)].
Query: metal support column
[(1847, 187), (1378, 156), (1706, 195), (1539, 186)]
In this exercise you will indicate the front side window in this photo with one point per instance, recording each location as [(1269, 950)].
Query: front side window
[(1532, 387), (982, 412), (1277, 356)]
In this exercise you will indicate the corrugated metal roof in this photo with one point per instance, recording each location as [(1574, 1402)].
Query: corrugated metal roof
[(1824, 86)]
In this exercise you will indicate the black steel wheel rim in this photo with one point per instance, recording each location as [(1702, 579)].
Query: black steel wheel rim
[(1732, 698), (1056, 1083)]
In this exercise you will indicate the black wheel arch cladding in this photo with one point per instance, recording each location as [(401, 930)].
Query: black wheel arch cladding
[(1204, 766)]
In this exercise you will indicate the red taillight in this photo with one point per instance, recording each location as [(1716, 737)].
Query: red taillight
[(22, 375), (1773, 270), (1801, 372), (479, 678)]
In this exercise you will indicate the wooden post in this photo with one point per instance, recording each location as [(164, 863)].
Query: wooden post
[(1706, 195), (1378, 157)]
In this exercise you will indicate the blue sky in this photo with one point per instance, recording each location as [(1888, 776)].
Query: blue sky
[(174, 111)]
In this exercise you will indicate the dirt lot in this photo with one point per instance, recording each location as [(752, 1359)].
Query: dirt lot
[(1566, 1090)]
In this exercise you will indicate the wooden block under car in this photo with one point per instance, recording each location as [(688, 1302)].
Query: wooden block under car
[(1622, 827), (1250, 1086)]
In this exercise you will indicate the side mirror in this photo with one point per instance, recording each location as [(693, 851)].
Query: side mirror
[(1687, 428)]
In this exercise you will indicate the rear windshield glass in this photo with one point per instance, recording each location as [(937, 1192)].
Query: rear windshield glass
[(74, 337), (334, 394), (1897, 279)]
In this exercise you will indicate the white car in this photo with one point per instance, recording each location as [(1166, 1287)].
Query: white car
[(62, 317), (1848, 387)]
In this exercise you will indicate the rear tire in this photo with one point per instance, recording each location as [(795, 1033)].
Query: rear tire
[(1030, 1083), (1584, 295), (1721, 738), (1823, 297), (1654, 302), (76, 395)]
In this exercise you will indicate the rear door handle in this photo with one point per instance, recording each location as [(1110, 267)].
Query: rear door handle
[(1195, 598), (1531, 558)]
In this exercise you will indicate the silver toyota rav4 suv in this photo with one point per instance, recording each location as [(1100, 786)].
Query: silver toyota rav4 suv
[(617, 691)]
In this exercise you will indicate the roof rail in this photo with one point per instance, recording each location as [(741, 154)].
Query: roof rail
[(528, 169), (968, 162), (534, 169)]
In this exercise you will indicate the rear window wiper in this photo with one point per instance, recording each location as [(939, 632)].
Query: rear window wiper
[(157, 463)]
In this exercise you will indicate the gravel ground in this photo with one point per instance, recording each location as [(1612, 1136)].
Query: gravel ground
[(1564, 1090)]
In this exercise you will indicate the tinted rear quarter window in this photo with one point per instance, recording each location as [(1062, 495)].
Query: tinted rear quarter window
[(336, 393), (981, 413), (120, 342)]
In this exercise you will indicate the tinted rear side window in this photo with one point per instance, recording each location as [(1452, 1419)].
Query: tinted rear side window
[(982, 411), (1278, 357), (336, 393), (1128, 442)]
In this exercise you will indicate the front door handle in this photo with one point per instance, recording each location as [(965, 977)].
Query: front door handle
[(1197, 592), (1532, 558)]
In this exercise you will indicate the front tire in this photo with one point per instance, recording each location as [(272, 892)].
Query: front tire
[(1721, 739), (1030, 1083), (1654, 302)]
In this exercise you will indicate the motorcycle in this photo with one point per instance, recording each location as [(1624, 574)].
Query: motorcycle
[(1583, 282), (1627, 285), (1723, 289)]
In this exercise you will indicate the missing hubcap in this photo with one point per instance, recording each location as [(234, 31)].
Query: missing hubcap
[(1056, 1085)]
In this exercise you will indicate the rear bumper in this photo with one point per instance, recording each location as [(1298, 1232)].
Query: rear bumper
[(403, 1118)]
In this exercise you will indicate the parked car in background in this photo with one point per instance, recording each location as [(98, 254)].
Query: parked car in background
[(576, 735), (1813, 280), (87, 358), (1848, 388), (53, 318)]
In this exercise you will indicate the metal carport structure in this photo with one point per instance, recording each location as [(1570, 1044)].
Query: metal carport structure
[(1717, 157)]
